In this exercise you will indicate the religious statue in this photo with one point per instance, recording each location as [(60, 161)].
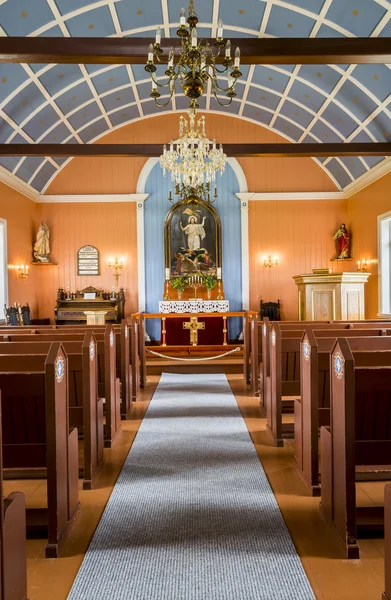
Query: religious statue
[(195, 232), (41, 248), (343, 240)]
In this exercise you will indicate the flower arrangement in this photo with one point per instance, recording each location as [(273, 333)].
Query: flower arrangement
[(179, 282), (209, 281)]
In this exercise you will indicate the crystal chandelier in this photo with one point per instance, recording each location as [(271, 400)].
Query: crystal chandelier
[(193, 159), (196, 64)]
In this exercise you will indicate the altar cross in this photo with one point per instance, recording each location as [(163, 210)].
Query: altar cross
[(194, 326)]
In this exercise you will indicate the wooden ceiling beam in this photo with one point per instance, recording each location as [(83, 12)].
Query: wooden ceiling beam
[(284, 150), (133, 50)]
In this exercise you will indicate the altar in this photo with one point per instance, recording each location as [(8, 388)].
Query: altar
[(190, 329)]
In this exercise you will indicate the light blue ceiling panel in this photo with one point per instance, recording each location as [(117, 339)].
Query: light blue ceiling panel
[(288, 129), (233, 108), (324, 133), (110, 80), (124, 115), (71, 99), (239, 89), (361, 137), (94, 68), (144, 89), (203, 8), (247, 14), (380, 127), (9, 162), (5, 131), (43, 176), (150, 108), (262, 98), (22, 17), (338, 172), (52, 32), (257, 114), (60, 77), (140, 73), (358, 17), (295, 113), (85, 115), (18, 109), (274, 80), (288, 68), (372, 161), (28, 167), (11, 77), (356, 100), (44, 119), (288, 23), (231, 34), (57, 135), (354, 165), (92, 131), (148, 33), (33, 95), (339, 119), (94, 23), (386, 31), (314, 6), (118, 99), (133, 14), (306, 95), (321, 76), (67, 6), (182, 102), (376, 78), (327, 32), (60, 159)]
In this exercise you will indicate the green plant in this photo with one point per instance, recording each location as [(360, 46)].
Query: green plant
[(179, 282), (209, 281)]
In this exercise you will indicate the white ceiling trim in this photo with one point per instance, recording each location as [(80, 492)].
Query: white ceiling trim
[(273, 196), (58, 199)]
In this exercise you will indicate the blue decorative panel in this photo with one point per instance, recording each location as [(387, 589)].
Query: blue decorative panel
[(94, 23), (270, 78), (296, 113), (339, 173), (92, 131), (257, 114), (156, 209), (28, 167), (360, 18), (110, 80), (71, 99), (57, 135), (324, 133), (22, 17), (123, 115), (247, 14), (118, 99), (322, 76), (44, 119), (288, 23), (262, 98), (133, 14), (60, 77), (43, 176), (85, 115), (354, 166), (288, 129)]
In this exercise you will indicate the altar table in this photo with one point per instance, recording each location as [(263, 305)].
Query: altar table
[(193, 306)]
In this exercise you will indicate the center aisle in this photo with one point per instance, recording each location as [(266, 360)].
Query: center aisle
[(192, 515)]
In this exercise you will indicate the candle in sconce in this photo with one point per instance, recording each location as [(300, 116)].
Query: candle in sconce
[(358, 264), (218, 272), (167, 274)]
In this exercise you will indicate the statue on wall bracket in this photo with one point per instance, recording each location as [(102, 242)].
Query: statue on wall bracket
[(342, 238), (192, 238), (41, 249)]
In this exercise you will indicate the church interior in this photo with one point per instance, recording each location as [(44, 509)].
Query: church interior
[(195, 299)]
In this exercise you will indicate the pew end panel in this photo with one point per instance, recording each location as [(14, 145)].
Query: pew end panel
[(387, 542), (113, 420), (14, 547), (126, 392)]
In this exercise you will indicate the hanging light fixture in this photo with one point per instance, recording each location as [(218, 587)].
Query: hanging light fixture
[(193, 159), (196, 64)]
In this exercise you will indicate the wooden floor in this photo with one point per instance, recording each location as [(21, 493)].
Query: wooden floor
[(331, 576)]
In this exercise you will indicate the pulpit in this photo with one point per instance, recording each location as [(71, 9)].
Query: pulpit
[(326, 296)]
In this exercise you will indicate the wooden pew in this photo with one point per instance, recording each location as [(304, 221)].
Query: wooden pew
[(85, 409), (284, 385), (359, 434), (36, 435), (387, 542), (13, 572), (312, 410)]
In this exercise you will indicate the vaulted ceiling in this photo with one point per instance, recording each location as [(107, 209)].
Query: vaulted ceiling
[(304, 103)]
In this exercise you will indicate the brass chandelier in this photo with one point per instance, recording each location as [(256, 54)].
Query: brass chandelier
[(196, 64)]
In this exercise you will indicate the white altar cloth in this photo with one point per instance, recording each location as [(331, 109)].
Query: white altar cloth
[(193, 306)]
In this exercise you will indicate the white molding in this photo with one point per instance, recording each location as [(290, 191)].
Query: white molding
[(18, 185), (371, 176), (58, 199), (144, 174), (239, 174), (141, 253), (265, 196), (381, 219), (3, 225)]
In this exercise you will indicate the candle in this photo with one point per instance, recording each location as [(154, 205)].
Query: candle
[(182, 19), (218, 272), (194, 37), (358, 264), (158, 35), (237, 58), (150, 53), (220, 29), (171, 58), (167, 274), (228, 49)]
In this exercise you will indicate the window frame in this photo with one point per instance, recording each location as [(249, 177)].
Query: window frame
[(384, 229), (3, 242)]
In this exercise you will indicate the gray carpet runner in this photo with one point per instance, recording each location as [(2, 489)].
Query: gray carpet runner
[(192, 515)]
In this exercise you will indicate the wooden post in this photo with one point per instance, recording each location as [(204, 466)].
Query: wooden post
[(246, 348), (164, 331)]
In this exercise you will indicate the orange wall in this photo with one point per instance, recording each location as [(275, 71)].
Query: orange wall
[(111, 227), (364, 208), (120, 175), (300, 232), (21, 216)]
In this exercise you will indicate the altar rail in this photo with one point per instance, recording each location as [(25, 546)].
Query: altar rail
[(247, 317)]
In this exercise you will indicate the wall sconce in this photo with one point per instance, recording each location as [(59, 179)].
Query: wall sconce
[(23, 271), (362, 265), (268, 262), (116, 267)]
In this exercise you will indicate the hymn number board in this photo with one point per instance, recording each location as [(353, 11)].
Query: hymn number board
[(88, 261)]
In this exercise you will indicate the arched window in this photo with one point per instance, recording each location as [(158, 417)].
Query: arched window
[(3, 268), (384, 237)]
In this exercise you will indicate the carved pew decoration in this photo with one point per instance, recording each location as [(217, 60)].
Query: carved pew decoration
[(360, 385), (13, 580), (387, 542), (37, 388)]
